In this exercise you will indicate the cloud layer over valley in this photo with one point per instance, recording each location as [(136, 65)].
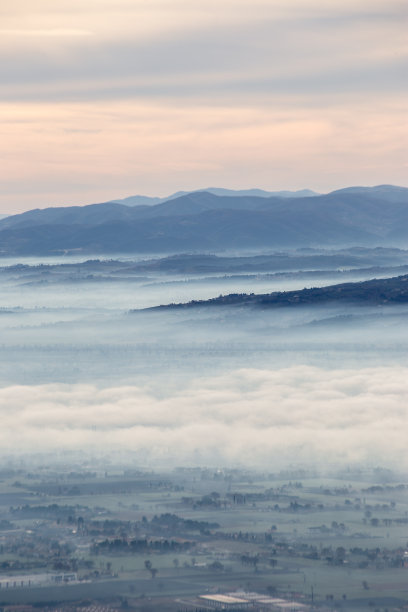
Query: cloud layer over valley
[(250, 417)]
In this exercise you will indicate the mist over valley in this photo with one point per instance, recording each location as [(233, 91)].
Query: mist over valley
[(189, 425), (72, 330), (203, 306)]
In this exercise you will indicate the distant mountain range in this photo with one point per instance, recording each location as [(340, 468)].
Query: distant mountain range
[(140, 200), (210, 222), (372, 292)]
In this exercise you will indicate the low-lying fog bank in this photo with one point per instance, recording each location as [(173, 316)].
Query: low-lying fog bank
[(249, 417), (219, 386), (162, 349)]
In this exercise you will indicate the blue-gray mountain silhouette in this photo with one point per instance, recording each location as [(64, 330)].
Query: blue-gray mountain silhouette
[(205, 221)]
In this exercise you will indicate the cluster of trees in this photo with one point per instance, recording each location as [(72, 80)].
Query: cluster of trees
[(174, 523), (123, 545), (52, 511)]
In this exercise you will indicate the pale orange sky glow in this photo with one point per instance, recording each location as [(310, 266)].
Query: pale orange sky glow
[(109, 98)]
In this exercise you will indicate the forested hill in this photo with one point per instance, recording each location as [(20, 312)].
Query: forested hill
[(372, 292)]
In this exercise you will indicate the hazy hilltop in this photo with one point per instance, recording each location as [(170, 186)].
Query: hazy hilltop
[(210, 221)]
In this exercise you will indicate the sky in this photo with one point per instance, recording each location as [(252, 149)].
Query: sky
[(102, 99)]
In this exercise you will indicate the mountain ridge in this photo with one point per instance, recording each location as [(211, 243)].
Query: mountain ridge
[(138, 200), (202, 220), (392, 290)]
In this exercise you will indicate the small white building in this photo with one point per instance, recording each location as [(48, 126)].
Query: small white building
[(225, 602)]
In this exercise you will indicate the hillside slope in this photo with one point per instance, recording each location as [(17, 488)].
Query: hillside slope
[(372, 292)]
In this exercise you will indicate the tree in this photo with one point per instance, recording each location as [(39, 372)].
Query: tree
[(340, 554), (216, 566)]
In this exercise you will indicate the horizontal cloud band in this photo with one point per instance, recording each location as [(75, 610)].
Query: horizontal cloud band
[(257, 418)]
